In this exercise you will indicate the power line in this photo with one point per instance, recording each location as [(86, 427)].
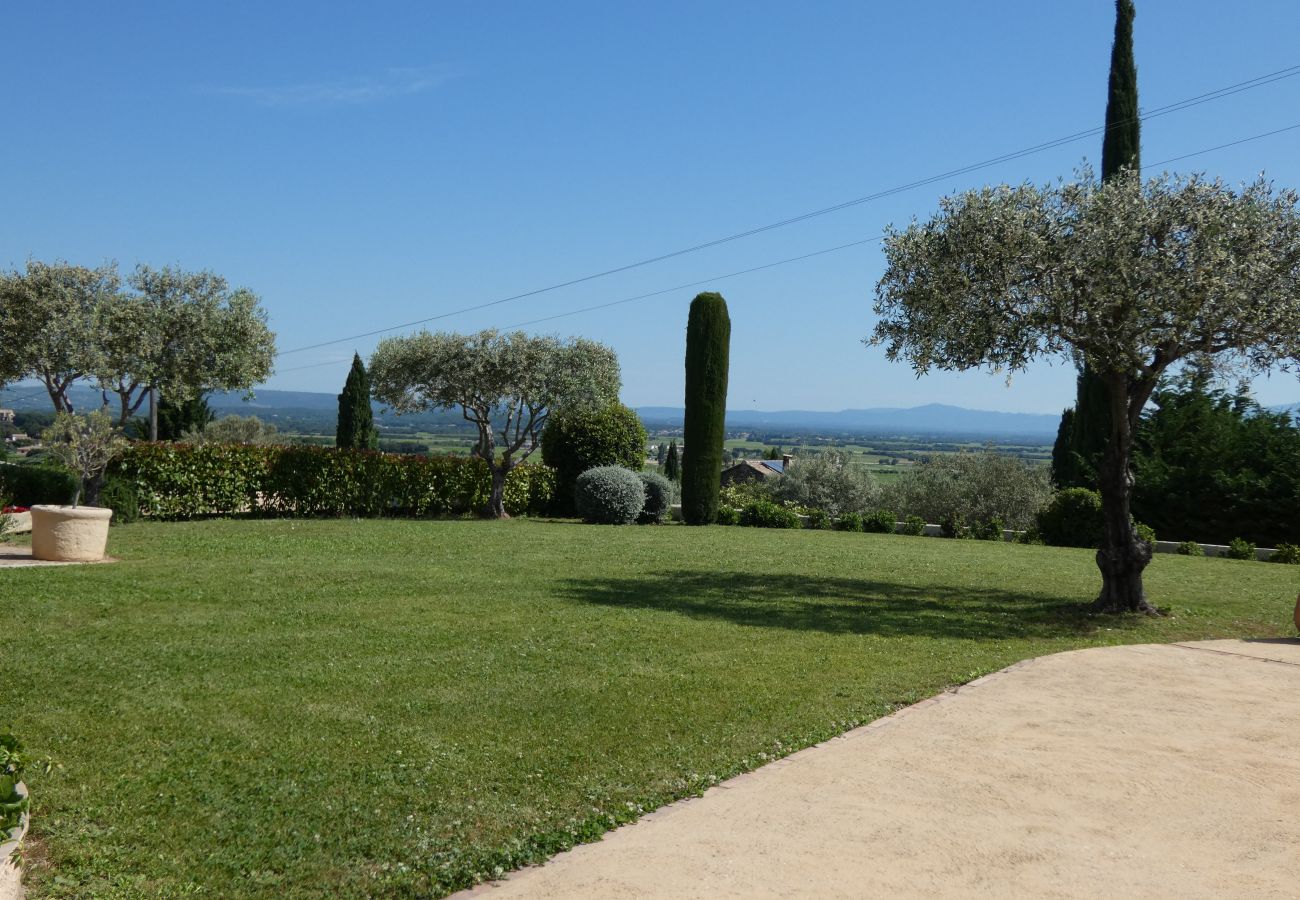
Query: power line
[(872, 240), (691, 284), (1255, 137), (794, 259), (1178, 106)]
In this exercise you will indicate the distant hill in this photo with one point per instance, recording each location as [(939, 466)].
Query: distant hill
[(930, 419), (933, 418)]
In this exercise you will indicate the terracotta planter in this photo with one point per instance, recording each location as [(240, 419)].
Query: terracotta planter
[(70, 533)]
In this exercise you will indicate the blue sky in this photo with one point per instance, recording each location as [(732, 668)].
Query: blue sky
[(364, 165)]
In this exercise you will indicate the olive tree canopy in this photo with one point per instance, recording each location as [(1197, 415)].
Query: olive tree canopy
[(183, 333), (505, 384), (1127, 278), (47, 324)]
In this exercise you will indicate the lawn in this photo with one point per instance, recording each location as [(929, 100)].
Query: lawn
[(390, 708)]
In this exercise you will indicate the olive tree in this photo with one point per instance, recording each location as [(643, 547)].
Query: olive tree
[(48, 321), (1127, 278), (181, 333), (505, 384)]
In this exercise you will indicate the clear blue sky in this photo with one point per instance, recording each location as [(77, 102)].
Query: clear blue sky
[(362, 165)]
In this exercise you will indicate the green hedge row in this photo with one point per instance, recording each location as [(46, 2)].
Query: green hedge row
[(182, 481), (28, 485)]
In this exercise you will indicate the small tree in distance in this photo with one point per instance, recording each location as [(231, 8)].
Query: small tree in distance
[(356, 423), (506, 385), (1125, 278), (672, 465)]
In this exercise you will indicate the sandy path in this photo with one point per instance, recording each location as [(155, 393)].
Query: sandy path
[(1147, 771)]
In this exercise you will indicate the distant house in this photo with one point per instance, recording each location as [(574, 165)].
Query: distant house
[(7, 416), (755, 470)]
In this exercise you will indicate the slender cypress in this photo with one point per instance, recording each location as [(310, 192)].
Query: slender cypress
[(708, 344), (356, 427), (672, 468), (1089, 431)]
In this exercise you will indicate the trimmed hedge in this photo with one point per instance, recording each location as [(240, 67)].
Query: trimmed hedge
[(185, 481), (28, 485)]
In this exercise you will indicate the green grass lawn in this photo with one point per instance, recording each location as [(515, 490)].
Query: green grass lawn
[(389, 708)]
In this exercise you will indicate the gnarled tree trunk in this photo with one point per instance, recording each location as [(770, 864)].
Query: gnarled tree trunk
[(496, 508), (1122, 556)]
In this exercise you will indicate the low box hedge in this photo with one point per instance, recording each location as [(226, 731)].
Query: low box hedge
[(183, 481)]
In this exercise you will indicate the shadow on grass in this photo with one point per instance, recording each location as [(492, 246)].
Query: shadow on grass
[(843, 605)]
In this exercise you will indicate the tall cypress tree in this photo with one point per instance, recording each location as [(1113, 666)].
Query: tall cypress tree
[(708, 346), (356, 428), (1089, 430), (672, 468)]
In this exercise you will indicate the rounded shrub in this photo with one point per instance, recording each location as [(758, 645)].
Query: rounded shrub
[(882, 521), (1190, 548), (849, 522), (766, 514), (1145, 533), (728, 515), (989, 530), (1286, 553), (819, 519), (658, 498), (1072, 518), (954, 526), (609, 495), (913, 525), (575, 440), (1240, 548)]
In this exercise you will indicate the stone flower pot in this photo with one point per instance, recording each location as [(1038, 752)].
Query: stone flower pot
[(70, 533)]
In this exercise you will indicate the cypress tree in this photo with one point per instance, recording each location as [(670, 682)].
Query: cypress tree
[(708, 342), (356, 428), (672, 468), (661, 454), (1089, 431)]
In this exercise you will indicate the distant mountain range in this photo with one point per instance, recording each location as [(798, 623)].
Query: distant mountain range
[(930, 419), (933, 418)]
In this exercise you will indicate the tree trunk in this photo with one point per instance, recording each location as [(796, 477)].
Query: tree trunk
[(153, 413), (496, 508), (1122, 556)]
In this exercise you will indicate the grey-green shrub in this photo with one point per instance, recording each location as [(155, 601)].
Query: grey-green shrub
[(609, 495), (1190, 548), (882, 521), (974, 487), (827, 481), (766, 514), (658, 498), (1239, 548)]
